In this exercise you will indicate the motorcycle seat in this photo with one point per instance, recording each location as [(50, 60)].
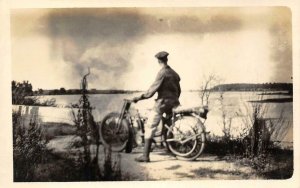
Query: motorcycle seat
[(201, 111)]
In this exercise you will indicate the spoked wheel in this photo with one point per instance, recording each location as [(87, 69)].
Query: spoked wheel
[(186, 139), (110, 137)]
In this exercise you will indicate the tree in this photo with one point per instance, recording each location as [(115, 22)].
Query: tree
[(40, 91), (206, 88), (20, 91), (62, 90)]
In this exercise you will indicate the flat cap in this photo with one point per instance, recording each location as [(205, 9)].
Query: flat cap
[(162, 55)]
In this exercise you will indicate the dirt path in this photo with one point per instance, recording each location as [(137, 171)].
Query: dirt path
[(166, 167)]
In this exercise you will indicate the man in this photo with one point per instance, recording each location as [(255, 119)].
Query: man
[(167, 86)]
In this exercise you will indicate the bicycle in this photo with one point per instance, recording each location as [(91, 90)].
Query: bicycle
[(183, 133)]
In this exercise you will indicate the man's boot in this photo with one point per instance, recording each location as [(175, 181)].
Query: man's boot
[(145, 156)]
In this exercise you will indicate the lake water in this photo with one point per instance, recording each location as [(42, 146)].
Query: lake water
[(235, 106)]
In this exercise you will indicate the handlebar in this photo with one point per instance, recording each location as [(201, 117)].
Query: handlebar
[(128, 100)]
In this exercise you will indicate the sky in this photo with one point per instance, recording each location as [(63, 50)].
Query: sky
[(53, 48)]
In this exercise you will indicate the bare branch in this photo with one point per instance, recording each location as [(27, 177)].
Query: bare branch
[(206, 88)]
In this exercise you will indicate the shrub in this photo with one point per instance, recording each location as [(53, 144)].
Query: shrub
[(87, 128), (29, 149)]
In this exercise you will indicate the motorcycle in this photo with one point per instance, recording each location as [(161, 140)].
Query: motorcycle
[(183, 133)]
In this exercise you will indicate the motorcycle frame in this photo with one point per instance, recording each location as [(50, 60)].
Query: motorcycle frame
[(165, 127)]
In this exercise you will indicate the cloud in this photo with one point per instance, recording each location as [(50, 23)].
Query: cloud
[(108, 62), (281, 47), (191, 24), (106, 39), (98, 38)]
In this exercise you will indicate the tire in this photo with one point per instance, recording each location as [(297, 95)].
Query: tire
[(186, 127), (198, 150), (108, 136)]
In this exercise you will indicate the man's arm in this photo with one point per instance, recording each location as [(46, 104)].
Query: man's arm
[(153, 88)]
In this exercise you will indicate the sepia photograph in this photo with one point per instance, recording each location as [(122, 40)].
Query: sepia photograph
[(152, 93)]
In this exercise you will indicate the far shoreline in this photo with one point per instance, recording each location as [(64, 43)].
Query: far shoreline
[(260, 92)]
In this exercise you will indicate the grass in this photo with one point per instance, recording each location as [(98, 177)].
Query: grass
[(34, 162), (67, 166), (275, 163), (52, 129), (279, 164), (70, 167), (57, 169)]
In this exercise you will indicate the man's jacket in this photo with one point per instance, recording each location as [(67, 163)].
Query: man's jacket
[(166, 85)]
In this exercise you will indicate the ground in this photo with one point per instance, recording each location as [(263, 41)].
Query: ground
[(164, 166)]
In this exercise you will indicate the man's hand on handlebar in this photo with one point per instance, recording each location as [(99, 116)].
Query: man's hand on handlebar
[(136, 99)]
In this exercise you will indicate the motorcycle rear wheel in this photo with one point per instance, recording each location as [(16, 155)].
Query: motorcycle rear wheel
[(186, 127)]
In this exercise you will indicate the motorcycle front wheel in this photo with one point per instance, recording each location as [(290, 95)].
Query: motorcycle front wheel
[(117, 140), (186, 138)]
